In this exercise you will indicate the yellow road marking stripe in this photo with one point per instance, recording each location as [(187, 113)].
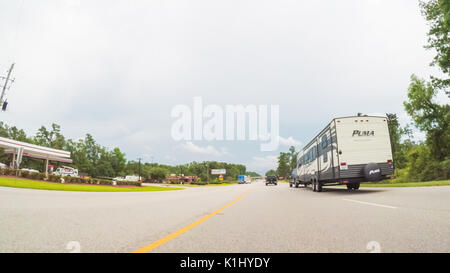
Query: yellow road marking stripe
[(169, 237)]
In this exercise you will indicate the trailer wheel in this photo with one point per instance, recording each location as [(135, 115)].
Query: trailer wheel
[(296, 184), (356, 186), (290, 185), (349, 187), (319, 186), (313, 184)]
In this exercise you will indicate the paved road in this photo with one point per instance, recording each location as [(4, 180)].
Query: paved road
[(256, 219)]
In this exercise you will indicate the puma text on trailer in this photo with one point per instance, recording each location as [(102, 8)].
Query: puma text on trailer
[(349, 151)]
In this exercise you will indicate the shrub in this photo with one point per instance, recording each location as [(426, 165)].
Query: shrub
[(423, 167), (24, 174), (41, 176), (104, 182), (34, 175), (401, 176), (129, 183), (445, 169), (200, 183), (54, 178), (216, 181)]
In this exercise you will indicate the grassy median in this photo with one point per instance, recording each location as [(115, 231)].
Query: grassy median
[(205, 185), (40, 185), (407, 184)]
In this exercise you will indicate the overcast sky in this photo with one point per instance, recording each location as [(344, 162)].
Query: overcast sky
[(115, 69)]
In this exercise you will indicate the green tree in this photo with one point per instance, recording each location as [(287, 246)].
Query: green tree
[(437, 13), (158, 173), (429, 116), (283, 164), (271, 173), (400, 148), (292, 159)]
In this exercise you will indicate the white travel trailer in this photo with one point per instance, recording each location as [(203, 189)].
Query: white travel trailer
[(349, 150)]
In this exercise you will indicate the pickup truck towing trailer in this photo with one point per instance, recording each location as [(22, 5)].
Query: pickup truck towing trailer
[(349, 150)]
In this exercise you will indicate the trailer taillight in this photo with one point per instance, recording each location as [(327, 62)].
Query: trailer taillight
[(389, 161), (343, 164)]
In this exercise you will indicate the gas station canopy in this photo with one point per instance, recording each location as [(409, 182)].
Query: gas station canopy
[(19, 149)]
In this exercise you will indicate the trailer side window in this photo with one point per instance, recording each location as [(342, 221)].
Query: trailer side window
[(324, 141), (325, 156)]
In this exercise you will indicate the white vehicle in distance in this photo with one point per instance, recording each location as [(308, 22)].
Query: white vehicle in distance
[(29, 170), (127, 178), (66, 171), (2, 165)]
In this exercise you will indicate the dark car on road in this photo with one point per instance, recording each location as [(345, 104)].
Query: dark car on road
[(271, 179)]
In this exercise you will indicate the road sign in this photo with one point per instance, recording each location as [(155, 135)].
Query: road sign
[(218, 171)]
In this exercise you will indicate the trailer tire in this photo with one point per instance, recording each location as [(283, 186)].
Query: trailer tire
[(296, 184), (290, 185), (349, 187), (319, 186), (356, 186), (314, 185)]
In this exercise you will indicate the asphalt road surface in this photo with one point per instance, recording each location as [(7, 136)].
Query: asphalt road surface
[(238, 218)]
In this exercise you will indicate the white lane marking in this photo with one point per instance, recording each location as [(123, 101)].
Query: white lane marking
[(372, 204)]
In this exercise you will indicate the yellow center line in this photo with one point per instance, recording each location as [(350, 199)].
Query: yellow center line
[(169, 237)]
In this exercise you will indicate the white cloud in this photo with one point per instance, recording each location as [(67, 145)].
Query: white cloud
[(208, 150), (290, 141), (262, 164)]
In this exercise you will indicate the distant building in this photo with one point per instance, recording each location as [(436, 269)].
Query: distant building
[(181, 178)]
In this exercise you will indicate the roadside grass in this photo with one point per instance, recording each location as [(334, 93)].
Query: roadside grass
[(39, 185), (206, 185), (407, 184)]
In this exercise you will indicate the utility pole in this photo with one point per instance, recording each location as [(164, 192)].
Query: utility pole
[(139, 169), (3, 104)]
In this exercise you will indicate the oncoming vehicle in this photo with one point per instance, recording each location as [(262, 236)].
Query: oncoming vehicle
[(271, 179), (66, 171), (349, 150), (242, 179)]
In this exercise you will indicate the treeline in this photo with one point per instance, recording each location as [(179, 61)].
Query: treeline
[(95, 160), (417, 160)]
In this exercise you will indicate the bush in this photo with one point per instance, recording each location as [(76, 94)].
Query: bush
[(24, 174), (216, 181), (423, 167), (445, 169), (34, 175), (104, 182), (9, 171), (41, 176), (129, 183), (401, 176), (54, 178), (200, 183)]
